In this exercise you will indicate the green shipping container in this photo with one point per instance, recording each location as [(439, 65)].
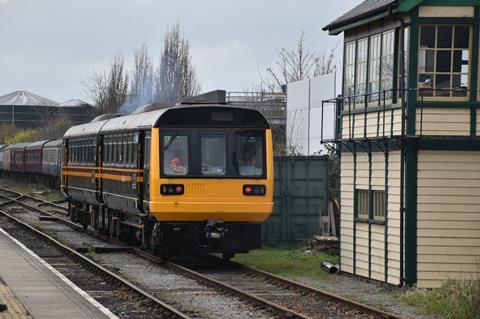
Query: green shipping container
[(300, 199)]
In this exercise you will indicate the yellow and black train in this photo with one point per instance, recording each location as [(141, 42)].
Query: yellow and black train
[(187, 178)]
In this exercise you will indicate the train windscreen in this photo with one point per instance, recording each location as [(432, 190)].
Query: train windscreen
[(213, 154)]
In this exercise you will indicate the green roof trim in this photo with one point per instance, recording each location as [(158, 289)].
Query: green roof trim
[(371, 10), (408, 5)]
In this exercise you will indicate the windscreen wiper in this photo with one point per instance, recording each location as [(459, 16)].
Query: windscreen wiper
[(169, 142)]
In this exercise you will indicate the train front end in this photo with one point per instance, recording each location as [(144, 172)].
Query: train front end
[(210, 179)]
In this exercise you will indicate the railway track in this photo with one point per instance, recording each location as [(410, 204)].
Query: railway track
[(117, 294), (283, 297)]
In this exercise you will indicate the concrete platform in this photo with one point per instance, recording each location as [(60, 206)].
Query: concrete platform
[(39, 289), (15, 309)]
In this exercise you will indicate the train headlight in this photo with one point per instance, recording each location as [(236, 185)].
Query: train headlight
[(254, 190), (172, 189)]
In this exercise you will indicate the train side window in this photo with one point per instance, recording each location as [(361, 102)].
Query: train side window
[(105, 151), (175, 154), (125, 157), (94, 151), (80, 151), (83, 152), (213, 155), (74, 152), (88, 151), (115, 150), (73, 149), (119, 150), (109, 151), (130, 149)]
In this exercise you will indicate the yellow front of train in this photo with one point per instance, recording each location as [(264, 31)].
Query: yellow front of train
[(211, 179)]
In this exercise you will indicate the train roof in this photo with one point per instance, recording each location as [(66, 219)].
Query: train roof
[(53, 143), (85, 129), (36, 145), (181, 115), (132, 121), (16, 146)]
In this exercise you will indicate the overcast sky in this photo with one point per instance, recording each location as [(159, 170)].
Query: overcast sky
[(49, 47)]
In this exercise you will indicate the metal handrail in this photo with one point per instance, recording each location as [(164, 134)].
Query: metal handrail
[(349, 104)]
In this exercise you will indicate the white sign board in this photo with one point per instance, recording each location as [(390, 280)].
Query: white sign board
[(304, 114)]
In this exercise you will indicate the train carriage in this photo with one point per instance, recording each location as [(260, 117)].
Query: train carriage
[(17, 158), (80, 164), (6, 159), (33, 158), (51, 161), (190, 178), (2, 156)]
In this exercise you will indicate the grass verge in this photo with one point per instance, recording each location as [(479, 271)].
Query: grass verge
[(459, 299), (290, 262), (33, 189)]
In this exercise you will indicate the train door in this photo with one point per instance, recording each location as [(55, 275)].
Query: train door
[(99, 156), (145, 161), (65, 162)]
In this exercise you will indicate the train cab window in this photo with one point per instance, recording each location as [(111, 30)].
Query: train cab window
[(213, 154), (175, 154), (250, 149)]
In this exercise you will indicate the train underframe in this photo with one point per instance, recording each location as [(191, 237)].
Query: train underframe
[(165, 238)]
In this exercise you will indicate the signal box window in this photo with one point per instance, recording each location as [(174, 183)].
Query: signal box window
[(175, 154), (443, 60), (378, 204), (362, 203), (250, 155), (213, 154)]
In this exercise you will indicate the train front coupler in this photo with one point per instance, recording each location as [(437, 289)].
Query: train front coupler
[(215, 230)]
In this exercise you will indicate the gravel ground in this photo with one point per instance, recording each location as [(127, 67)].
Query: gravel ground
[(363, 291), (177, 290)]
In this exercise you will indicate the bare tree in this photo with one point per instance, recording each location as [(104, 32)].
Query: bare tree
[(325, 63), (95, 88), (141, 85), (176, 77), (117, 85), (108, 92), (295, 65), (45, 113), (55, 128)]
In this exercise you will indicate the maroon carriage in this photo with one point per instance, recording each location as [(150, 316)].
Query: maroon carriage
[(33, 157), (17, 157)]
